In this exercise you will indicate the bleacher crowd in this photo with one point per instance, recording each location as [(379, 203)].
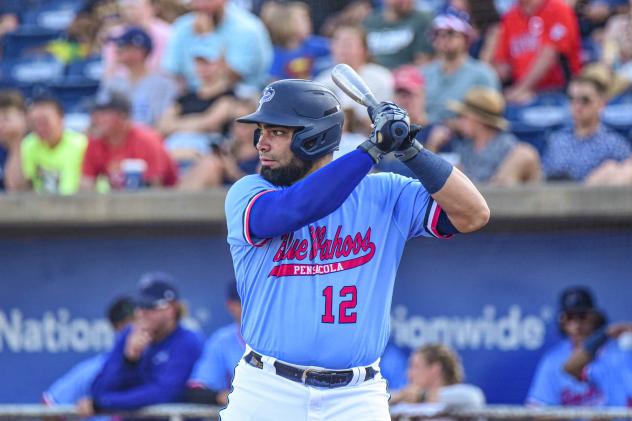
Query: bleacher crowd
[(124, 94)]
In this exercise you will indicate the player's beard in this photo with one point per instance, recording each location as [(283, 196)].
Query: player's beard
[(288, 174)]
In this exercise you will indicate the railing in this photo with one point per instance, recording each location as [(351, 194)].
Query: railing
[(179, 412)]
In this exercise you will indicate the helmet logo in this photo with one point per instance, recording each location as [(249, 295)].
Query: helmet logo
[(267, 96)]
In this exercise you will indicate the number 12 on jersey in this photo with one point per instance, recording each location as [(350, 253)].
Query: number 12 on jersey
[(345, 315)]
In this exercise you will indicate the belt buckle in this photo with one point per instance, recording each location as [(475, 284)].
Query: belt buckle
[(305, 373)]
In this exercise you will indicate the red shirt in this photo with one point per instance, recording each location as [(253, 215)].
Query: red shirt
[(522, 37), (101, 158)]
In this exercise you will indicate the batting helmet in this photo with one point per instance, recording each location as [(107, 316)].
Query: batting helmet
[(307, 106)]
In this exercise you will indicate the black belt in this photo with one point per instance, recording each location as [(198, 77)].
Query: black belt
[(311, 377)]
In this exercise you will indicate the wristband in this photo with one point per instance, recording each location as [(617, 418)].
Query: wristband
[(595, 341), (432, 170)]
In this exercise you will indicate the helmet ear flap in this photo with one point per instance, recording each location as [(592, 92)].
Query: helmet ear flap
[(255, 136)]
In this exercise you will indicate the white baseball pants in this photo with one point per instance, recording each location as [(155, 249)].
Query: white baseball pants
[(262, 395)]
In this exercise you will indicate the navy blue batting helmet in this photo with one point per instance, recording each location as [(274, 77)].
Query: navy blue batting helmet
[(307, 106)]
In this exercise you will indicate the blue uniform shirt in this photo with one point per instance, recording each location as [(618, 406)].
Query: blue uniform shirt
[(222, 352), (321, 295), (75, 384), (159, 376), (551, 385), (612, 372)]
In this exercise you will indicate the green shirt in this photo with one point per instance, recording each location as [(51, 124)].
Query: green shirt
[(393, 44), (54, 170)]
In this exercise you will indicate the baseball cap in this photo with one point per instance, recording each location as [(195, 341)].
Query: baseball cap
[(156, 289), (112, 100), (121, 309), (458, 22), (408, 78), (576, 300), (136, 37)]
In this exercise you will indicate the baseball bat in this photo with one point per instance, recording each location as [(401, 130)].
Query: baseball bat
[(352, 84)]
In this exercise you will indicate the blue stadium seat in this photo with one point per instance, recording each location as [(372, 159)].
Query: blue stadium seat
[(533, 122), (74, 93), (53, 14), (618, 114), (27, 40), (88, 68), (31, 70)]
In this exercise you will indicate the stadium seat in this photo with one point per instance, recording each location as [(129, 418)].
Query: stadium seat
[(53, 14), (74, 93), (89, 68), (27, 40), (533, 122), (618, 114), (31, 70)]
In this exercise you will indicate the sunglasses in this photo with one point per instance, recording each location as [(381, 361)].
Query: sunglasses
[(582, 99)]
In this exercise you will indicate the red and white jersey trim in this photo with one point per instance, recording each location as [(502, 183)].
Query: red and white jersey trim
[(247, 234)]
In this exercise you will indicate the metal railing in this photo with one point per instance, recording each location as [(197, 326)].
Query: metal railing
[(180, 412)]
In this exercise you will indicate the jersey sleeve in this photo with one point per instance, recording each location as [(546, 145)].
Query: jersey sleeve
[(415, 212), (239, 201)]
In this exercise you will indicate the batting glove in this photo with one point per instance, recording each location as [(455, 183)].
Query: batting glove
[(390, 130)]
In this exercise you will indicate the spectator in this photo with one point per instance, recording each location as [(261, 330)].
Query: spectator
[(137, 14), (617, 44), (51, 155), (212, 375), (398, 34), (13, 128), (200, 111), (532, 58), (575, 153), (151, 93), (352, 14), (454, 72), (485, 21), (298, 53), (435, 374), (488, 152), (116, 142), (578, 319), (410, 94), (152, 359), (217, 25), (229, 160), (613, 372), (74, 385), (79, 42), (349, 45)]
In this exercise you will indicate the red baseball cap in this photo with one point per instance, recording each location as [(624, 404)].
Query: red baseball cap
[(408, 78)]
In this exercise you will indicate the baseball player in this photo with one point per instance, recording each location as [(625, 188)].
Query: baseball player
[(612, 370), (316, 244), (578, 318)]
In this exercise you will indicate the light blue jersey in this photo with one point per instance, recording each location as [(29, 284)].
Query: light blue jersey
[(612, 372), (321, 295), (222, 351), (75, 384), (551, 385)]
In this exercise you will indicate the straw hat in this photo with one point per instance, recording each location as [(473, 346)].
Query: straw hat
[(604, 75), (485, 104)]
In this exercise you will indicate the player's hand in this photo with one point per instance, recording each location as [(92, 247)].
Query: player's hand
[(85, 407), (137, 341), (391, 127), (617, 329)]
